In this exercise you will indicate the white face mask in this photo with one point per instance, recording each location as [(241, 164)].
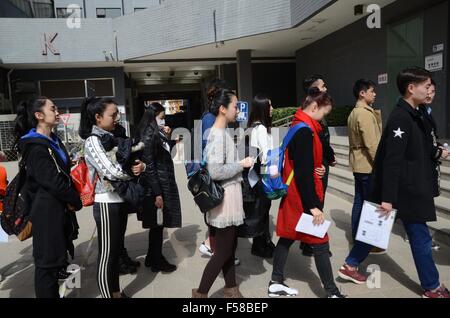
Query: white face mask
[(161, 122)]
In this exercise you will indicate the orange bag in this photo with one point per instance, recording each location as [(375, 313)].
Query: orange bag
[(83, 184)]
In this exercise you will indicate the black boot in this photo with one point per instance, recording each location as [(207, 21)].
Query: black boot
[(125, 268), (162, 266), (125, 258), (261, 248)]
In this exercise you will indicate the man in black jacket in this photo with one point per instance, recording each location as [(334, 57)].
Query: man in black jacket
[(438, 152), (403, 180)]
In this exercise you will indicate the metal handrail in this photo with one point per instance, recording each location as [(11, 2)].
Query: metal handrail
[(283, 122)]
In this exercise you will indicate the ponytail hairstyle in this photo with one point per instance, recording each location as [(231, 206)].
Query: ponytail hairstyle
[(149, 120), (26, 119), (213, 88), (316, 96), (223, 97), (89, 108), (260, 112)]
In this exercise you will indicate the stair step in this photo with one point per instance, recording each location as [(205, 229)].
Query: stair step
[(445, 188), (343, 175), (341, 153), (346, 191)]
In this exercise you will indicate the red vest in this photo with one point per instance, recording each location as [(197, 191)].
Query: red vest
[(291, 207)]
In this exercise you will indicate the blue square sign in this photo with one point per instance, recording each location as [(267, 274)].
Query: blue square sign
[(243, 111)]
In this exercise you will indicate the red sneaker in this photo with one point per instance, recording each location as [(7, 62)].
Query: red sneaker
[(345, 272), (441, 292)]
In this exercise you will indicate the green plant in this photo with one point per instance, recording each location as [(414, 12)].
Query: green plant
[(281, 113), (339, 115)]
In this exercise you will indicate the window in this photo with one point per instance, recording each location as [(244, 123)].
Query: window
[(139, 9), (109, 12), (62, 12), (100, 87), (63, 89)]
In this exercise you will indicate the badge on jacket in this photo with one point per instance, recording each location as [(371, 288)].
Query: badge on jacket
[(398, 133)]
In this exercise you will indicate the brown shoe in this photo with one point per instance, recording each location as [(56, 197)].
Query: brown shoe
[(377, 251), (232, 292), (196, 294)]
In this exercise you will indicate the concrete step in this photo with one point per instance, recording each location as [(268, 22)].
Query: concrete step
[(346, 191), (445, 188), (343, 174), (341, 153), (440, 229)]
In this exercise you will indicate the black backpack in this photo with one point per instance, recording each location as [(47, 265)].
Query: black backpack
[(15, 218)]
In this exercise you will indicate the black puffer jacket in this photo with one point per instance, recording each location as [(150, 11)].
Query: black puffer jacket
[(159, 179), (50, 188)]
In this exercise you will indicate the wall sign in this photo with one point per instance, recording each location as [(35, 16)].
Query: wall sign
[(383, 78), (434, 63), (438, 48)]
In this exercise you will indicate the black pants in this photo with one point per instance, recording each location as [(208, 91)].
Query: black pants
[(110, 219), (264, 205), (222, 260), (155, 242), (46, 282), (321, 257), (325, 177)]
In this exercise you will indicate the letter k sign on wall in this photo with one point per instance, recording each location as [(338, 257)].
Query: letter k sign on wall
[(47, 43)]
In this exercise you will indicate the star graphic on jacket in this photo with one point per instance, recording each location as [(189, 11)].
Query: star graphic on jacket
[(398, 133)]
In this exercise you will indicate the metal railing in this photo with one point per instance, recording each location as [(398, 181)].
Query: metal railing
[(283, 122)]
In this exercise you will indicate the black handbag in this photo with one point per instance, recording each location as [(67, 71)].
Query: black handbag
[(131, 191), (207, 193)]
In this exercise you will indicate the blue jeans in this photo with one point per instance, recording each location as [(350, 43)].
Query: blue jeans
[(362, 188), (420, 241)]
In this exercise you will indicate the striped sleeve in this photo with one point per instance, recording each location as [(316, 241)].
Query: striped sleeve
[(96, 155)]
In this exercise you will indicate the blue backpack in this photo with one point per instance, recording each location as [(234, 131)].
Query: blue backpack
[(274, 188)]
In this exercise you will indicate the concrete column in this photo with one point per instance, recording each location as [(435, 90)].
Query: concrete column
[(244, 75)]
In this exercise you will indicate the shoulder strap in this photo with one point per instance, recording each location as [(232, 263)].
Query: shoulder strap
[(291, 133)]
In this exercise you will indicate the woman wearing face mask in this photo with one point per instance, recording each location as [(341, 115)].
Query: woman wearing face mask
[(161, 207), (52, 198), (224, 219), (303, 155)]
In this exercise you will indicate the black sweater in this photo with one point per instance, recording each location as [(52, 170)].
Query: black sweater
[(301, 152)]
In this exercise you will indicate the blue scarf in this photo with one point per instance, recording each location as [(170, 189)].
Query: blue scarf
[(54, 143)]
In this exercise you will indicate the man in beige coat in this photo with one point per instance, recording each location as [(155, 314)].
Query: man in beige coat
[(364, 133)]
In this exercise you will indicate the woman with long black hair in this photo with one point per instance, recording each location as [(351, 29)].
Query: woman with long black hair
[(260, 122), (99, 118), (52, 198), (161, 206)]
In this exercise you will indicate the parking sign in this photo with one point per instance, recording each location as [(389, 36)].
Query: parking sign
[(243, 111)]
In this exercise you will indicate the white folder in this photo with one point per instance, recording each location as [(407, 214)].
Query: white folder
[(305, 225), (372, 228), (3, 236)]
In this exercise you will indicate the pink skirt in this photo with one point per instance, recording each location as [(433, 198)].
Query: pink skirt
[(231, 211)]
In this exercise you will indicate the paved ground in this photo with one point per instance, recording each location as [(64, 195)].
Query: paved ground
[(398, 275)]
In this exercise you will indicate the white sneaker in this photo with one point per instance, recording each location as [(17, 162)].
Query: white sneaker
[(205, 250), (435, 246), (279, 289), (237, 261)]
